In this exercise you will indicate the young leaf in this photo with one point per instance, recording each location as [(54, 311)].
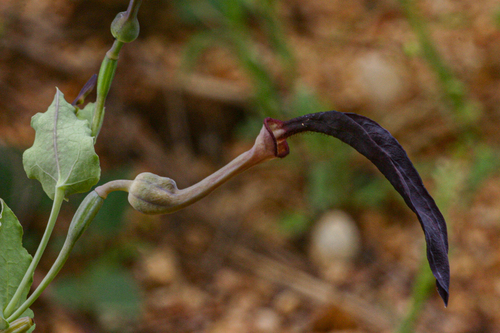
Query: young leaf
[(62, 155), (86, 113), (383, 150), (14, 260)]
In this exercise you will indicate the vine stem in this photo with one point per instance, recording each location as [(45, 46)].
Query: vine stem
[(25, 282), (106, 75), (108, 68)]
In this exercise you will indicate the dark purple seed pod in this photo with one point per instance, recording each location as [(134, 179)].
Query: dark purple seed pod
[(383, 150)]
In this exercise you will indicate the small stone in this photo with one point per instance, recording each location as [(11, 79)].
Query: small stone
[(267, 320), (335, 238), (380, 79)]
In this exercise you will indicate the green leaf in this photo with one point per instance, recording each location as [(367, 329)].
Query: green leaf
[(86, 113), (63, 154), (14, 260)]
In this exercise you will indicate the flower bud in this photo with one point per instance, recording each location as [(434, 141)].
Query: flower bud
[(125, 27), (152, 194)]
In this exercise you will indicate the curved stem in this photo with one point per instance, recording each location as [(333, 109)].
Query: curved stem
[(152, 194), (56, 206), (114, 185), (194, 193), (269, 144)]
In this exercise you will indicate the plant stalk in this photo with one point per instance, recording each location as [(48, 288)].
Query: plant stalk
[(106, 75)]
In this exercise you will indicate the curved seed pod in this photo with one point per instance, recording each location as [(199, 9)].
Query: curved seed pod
[(383, 150)]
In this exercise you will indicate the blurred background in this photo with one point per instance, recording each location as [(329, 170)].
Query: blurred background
[(317, 242)]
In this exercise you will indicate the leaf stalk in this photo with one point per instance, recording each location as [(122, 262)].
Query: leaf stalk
[(85, 214), (28, 276)]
